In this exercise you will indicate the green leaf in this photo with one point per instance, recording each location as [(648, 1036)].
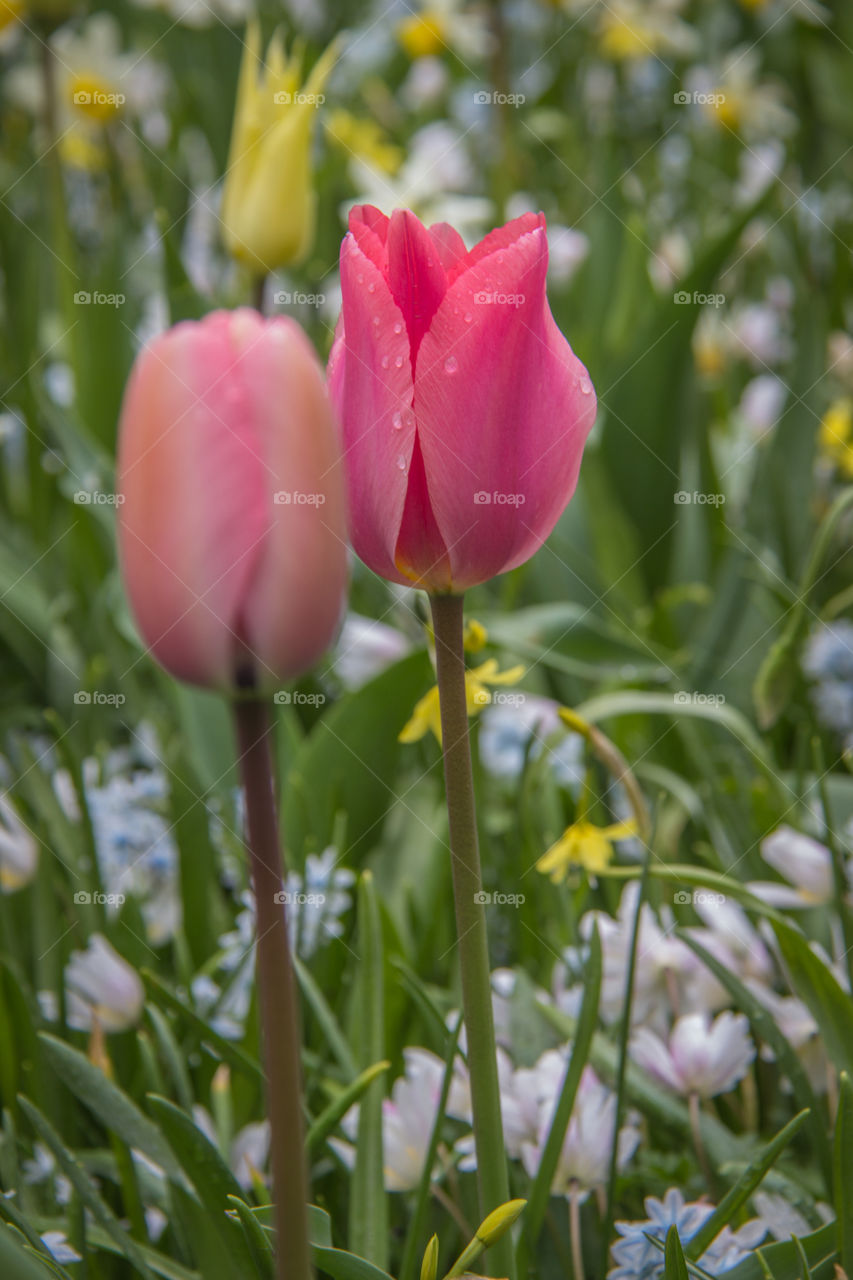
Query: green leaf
[(581, 1045), (107, 1102), (738, 1195), (368, 1218), (329, 1025), (674, 1266), (843, 1172), (784, 1258), (766, 1028), (228, 1052), (349, 760), (213, 1180), (159, 1263), (85, 1188), (257, 1240), (819, 989), (340, 1105), (17, 1263)]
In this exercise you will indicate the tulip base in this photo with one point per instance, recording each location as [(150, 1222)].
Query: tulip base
[(277, 994), (492, 1179)]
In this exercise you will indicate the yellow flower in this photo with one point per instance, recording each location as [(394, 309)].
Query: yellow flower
[(424, 34), (426, 716), (365, 140), (476, 637), (834, 437), (11, 11), (268, 202), (583, 844)]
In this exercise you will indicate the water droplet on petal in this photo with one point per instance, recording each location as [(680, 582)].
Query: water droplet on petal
[(451, 364), (468, 317), (376, 320), (585, 386), (398, 361), (385, 362), (397, 421), (401, 463), (360, 278), (371, 288), (398, 328)]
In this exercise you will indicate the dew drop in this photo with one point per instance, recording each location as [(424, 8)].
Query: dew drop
[(385, 362), (398, 328), (371, 288), (401, 463), (451, 364), (398, 361), (397, 421), (360, 278), (468, 317), (585, 386), (376, 320)]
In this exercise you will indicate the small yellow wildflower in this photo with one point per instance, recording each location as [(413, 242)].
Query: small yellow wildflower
[(583, 844), (475, 637), (424, 34), (426, 716), (365, 140), (834, 437)]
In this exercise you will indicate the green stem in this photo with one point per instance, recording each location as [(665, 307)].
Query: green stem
[(277, 994), (492, 1179)]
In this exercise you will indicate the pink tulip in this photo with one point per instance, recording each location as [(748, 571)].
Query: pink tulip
[(231, 521), (464, 410)]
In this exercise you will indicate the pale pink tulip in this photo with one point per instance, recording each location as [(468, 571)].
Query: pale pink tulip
[(231, 521)]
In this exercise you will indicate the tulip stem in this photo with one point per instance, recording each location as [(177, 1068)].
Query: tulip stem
[(492, 1179), (277, 994)]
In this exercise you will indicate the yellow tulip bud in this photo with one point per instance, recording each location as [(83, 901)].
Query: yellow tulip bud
[(429, 1266), (268, 202)]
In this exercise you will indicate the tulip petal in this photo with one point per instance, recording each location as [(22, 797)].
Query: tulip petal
[(195, 508), (370, 382), (416, 277), (420, 554), (449, 245), (497, 240), (370, 230), (294, 603), (503, 409)]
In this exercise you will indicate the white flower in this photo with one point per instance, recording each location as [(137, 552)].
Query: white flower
[(761, 404), (639, 1259), (805, 863), (584, 1162), (103, 987), (408, 1117), (19, 852), (365, 648), (249, 1150), (509, 732), (701, 1056), (60, 1250), (795, 1021)]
